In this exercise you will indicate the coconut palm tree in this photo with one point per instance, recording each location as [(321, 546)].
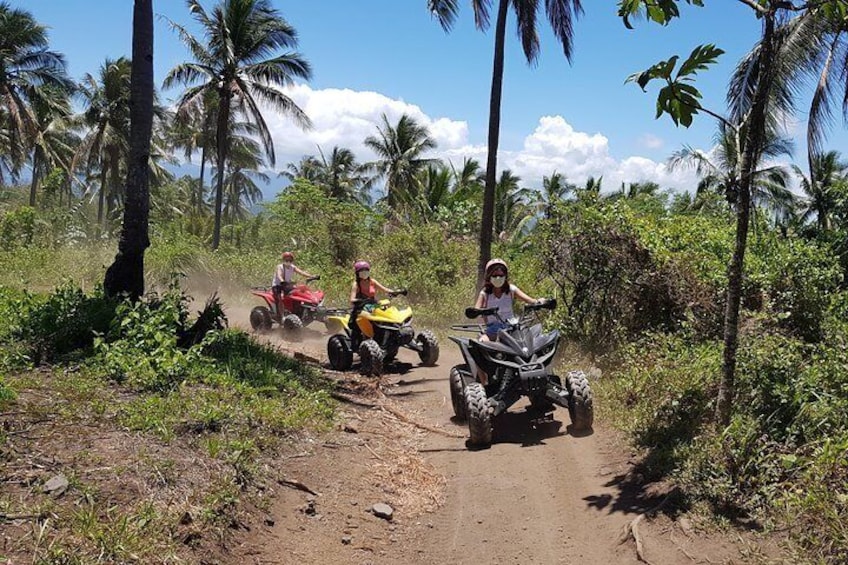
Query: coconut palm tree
[(29, 70), (106, 116), (821, 189), (512, 211), (194, 129), (719, 171), (244, 59), (53, 143), (344, 178), (400, 149), (309, 168), (561, 15), (126, 274)]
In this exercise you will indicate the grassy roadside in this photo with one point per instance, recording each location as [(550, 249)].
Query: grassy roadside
[(168, 440)]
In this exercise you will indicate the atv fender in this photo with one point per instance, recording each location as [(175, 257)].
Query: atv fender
[(336, 324), (469, 360)]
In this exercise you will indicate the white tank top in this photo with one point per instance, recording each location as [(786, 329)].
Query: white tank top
[(288, 272), (502, 303)]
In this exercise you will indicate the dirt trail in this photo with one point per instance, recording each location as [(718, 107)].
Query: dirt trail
[(538, 495)]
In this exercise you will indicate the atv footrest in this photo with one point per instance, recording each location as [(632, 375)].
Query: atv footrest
[(557, 394)]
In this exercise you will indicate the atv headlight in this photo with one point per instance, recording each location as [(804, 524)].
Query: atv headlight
[(500, 356)]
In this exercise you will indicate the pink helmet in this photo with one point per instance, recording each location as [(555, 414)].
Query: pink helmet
[(490, 266), (361, 266), (288, 256)]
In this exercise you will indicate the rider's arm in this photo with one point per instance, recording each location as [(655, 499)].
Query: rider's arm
[(280, 273), (520, 294), (481, 299), (380, 286), (352, 292), (300, 271)]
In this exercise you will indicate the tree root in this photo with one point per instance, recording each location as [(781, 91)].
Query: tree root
[(631, 529)]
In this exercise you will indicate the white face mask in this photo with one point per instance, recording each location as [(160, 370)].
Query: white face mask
[(498, 282), (364, 274)]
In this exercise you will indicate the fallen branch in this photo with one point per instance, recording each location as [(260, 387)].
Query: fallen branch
[(631, 529), (11, 517), (291, 483), (394, 412)]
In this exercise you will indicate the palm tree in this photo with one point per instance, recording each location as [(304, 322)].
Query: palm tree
[(434, 190), (554, 189), (53, 143), (309, 168), (29, 71), (241, 63), (126, 274), (720, 172), (512, 213), (106, 115), (193, 129), (344, 178), (399, 152), (829, 172), (240, 188), (561, 15)]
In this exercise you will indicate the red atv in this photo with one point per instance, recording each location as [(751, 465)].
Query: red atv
[(299, 307)]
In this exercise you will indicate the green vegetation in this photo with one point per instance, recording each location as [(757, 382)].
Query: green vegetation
[(717, 315)]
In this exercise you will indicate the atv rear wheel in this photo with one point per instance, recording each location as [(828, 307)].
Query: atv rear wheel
[(340, 352), (370, 358), (457, 398), (580, 400), (260, 319), (479, 412), (429, 353)]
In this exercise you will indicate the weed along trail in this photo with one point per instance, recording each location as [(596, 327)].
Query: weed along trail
[(539, 494)]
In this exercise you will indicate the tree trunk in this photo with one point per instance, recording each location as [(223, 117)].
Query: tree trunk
[(114, 194), (126, 274), (487, 222), (200, 181), (223, 124), (735, 270), (101, 198), (33, 187)]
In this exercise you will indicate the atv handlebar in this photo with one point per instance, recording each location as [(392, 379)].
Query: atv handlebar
[(542, 304), (315, 278), (399, 292), (472, 313)]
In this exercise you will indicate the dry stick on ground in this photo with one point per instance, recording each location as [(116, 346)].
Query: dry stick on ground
[(297, 485), (631, 529), (394, 412)]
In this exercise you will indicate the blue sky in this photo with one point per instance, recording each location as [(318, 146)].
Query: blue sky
[(374, 56)]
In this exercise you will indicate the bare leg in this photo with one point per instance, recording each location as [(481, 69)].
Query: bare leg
[(482, 377)]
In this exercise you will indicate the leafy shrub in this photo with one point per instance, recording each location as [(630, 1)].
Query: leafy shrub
[(17, 228), (63, 322)]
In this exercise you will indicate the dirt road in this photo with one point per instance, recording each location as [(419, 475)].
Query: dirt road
[(538, 495)]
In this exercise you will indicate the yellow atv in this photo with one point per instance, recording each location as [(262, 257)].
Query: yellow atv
[(384, 328)]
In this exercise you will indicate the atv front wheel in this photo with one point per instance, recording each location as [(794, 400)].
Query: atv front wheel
[(429, 352), (479, 412), (457, 398), (580, 399), (371, 358), (292, 324), (340, 352), (260, 319)]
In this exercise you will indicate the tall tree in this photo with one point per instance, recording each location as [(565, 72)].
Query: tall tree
[(106, 115), (52, 142), (561, 16), (820, 189), (29, 70), (400, 153), (126, 274), (764, 88), (244, 60), (343, 177)]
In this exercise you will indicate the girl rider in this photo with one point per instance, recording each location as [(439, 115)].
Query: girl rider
[(283, 282), (363, 287)]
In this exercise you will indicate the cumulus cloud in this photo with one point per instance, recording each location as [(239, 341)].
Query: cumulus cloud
[(346, 117), (651, 141)]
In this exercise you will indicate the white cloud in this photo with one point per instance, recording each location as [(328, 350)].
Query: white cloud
[(651, 141), (346, 117)]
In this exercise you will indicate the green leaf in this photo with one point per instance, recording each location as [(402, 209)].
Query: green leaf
[(699, 59)]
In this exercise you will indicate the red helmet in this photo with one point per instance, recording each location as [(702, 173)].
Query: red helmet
[(288, 256), (361, 266), (490, 266)]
